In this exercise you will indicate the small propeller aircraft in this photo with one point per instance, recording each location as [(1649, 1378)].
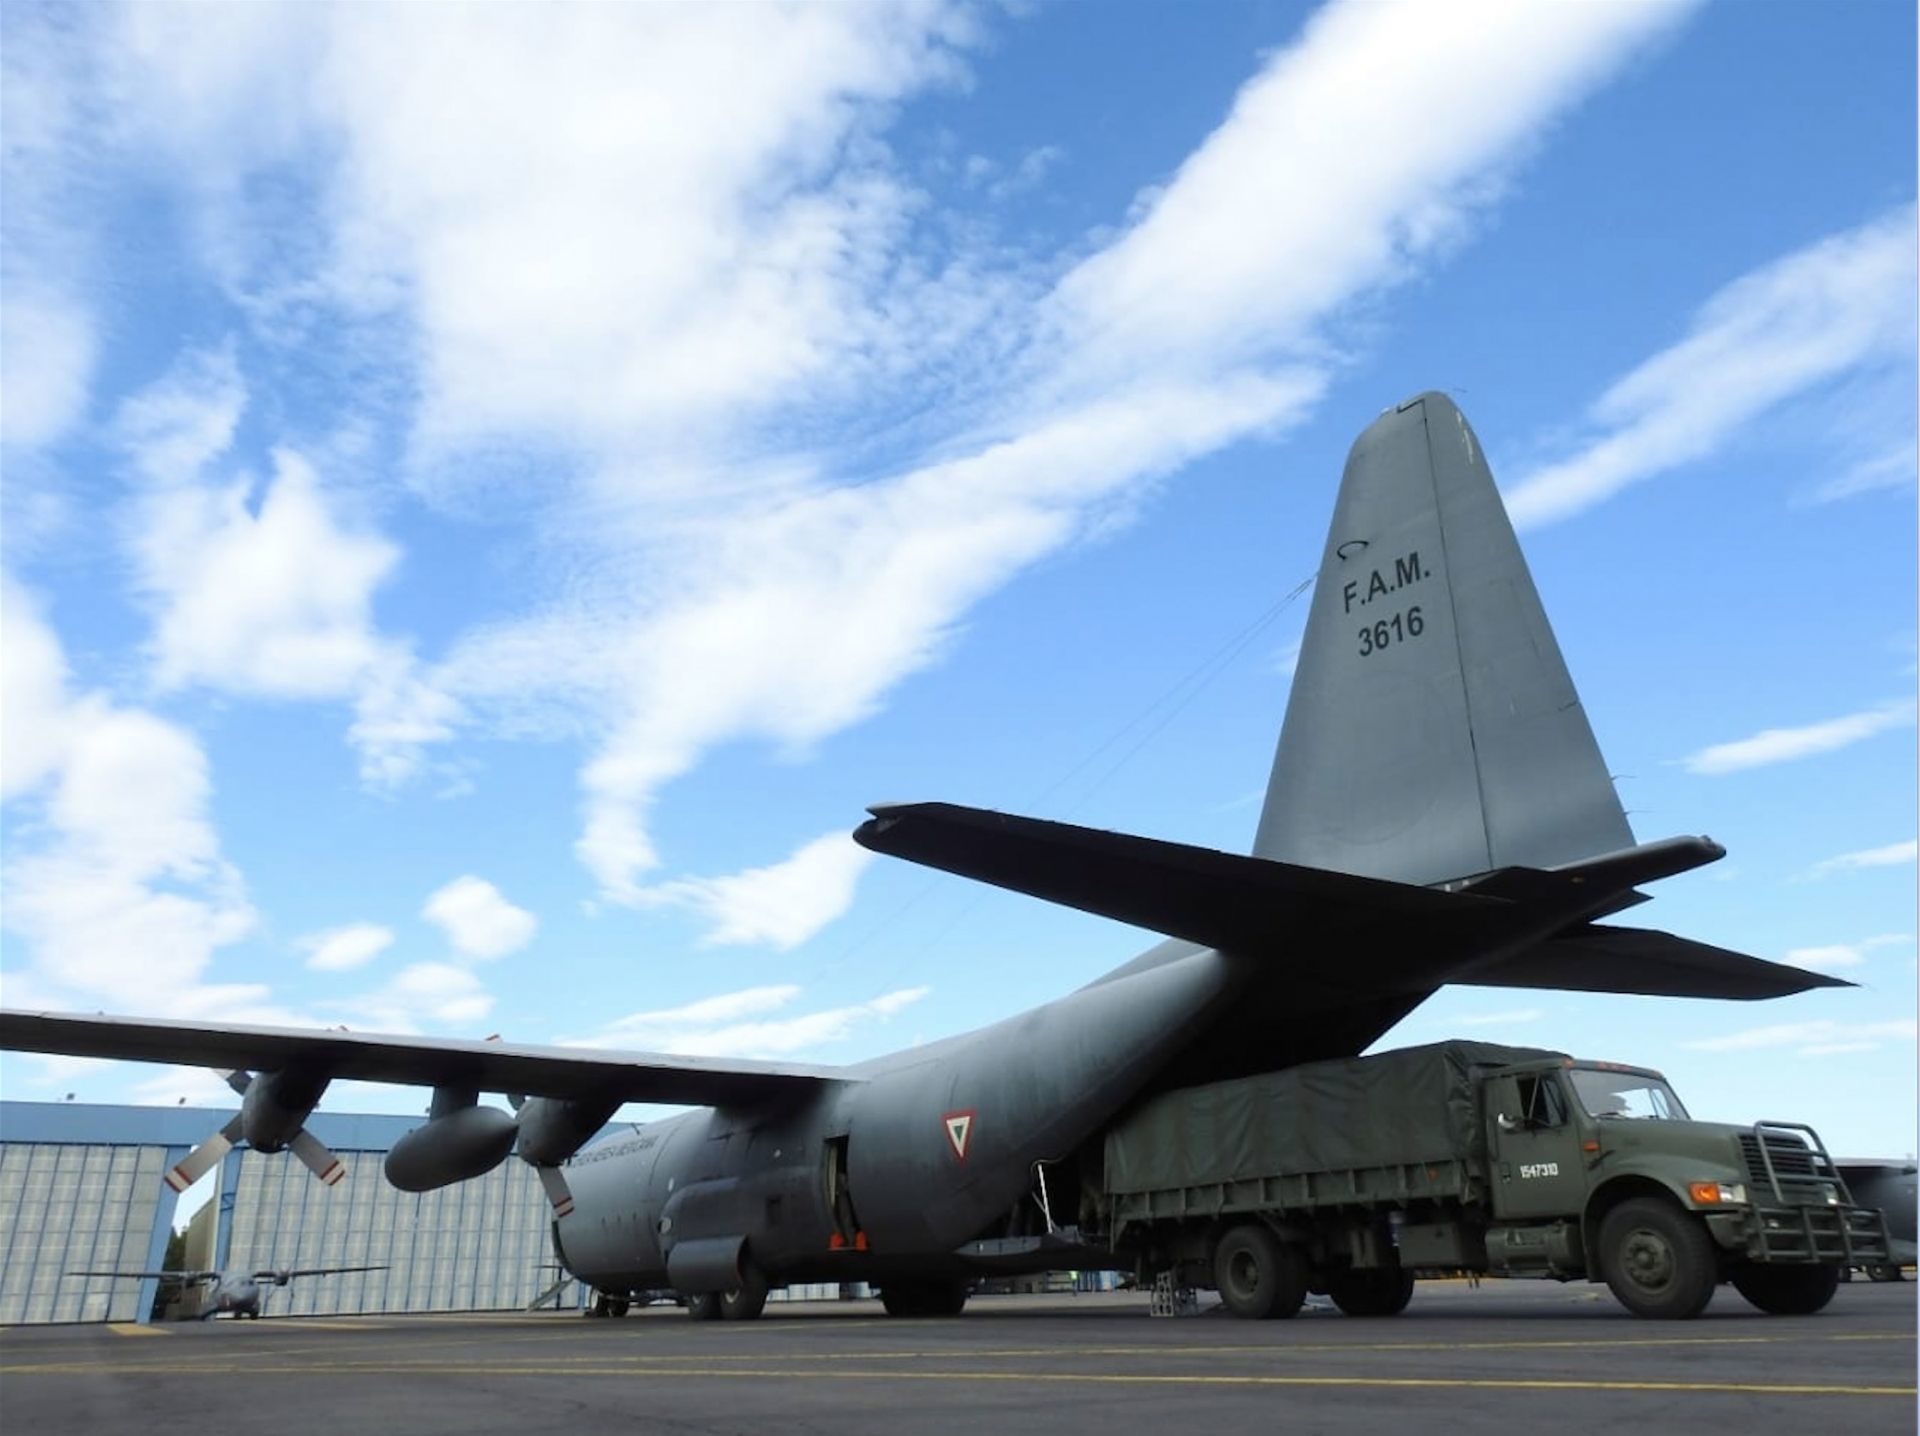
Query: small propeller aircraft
[(237, 1293), (1438, 813)]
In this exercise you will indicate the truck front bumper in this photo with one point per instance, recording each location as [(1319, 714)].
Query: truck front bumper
[(1825, 1235)]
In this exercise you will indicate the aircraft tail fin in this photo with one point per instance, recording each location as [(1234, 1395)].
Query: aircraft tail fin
[(1433, 731)]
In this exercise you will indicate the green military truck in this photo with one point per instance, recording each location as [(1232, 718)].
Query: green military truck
[(1353, 1177)]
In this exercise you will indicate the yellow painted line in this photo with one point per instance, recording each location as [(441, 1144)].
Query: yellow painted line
[(133, 1328), (734, 1373)]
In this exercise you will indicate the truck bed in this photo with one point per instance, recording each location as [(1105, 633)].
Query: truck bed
[(1397, 1128)]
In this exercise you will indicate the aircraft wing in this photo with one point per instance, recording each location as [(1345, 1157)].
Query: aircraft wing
[(564, 1072), (1594, 958), (274, 1274), (1221, 900)]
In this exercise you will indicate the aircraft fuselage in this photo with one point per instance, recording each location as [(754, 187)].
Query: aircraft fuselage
[(893, 1171)]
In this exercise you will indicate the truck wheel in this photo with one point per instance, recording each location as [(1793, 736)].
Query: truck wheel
[(1381, 1292), (704, 1306), (1657, 1259), (1787, 1290), (1258, 1275)]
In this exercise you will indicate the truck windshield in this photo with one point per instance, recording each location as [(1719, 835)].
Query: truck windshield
[(1626, 1094)]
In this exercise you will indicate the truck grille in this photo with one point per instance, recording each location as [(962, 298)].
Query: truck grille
[(1802, 1172)]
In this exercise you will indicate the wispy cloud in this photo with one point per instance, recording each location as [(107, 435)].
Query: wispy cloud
[(1834, 956), (1513, 1018), (1893, 855), (781, 905), (423, 994), (1811, 1038), (1783, 745), (342, 948), (1838, 306), (719, 1026)]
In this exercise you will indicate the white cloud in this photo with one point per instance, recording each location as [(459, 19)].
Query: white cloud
[(47, 353), (1781, 745), (782, 905), (436, 993), (716, 1027), (664, 244), (33, 679), (341, 948), (1890, 856), (120, 887), (265, 590), (1332, 175), (1811, 1037), (1840, 305), (1513, 1018), (727, 1007), (1832, 957), (477, 920), (1891, 469)]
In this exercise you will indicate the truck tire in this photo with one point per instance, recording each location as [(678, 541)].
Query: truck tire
[(1787, 1290), (1657, 1259), (1257, 1275), (1384, 1291)]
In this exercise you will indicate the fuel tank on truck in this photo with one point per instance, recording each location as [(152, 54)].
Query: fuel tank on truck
[(943, 1139)]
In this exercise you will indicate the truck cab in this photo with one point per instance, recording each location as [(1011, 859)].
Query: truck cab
[(1597, 1169)]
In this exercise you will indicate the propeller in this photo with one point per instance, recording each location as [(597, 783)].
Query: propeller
[(553, 1181), (261, 1122)]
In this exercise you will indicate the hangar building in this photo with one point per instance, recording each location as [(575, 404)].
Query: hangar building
[(81, 1187)]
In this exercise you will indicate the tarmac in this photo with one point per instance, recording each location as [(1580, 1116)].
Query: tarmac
[(1503, 1356)]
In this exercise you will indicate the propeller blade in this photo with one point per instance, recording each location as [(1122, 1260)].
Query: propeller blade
[(239, 1081), (203, 1158), (321, 1162), (555, 1182)]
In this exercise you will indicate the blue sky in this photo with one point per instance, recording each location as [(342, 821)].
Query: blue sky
[(491, 494)]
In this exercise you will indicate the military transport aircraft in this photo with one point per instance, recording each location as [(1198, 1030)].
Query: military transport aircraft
[(237, 1293), (1438, 813)]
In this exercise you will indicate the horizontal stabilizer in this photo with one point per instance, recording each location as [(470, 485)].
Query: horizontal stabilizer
[(1641, 960), (1220, 900)]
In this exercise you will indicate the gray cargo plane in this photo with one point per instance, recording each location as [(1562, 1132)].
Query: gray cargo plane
[(1438, 813), (234, 1293)]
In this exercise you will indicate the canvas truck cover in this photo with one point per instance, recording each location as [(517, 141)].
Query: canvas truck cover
[(1413, 1105)]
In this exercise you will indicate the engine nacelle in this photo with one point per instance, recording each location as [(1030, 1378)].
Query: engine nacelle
[(452, 1147), (276, 1106), (552, 1130)]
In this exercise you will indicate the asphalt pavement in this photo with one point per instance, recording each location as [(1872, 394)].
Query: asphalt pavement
[(1503, 1356)]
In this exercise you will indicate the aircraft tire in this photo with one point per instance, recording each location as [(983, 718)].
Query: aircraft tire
[(1258, 1276), (1787, 1290), (704, 1306), (929, 1298), (1381, 1292), (1658, 1259), (746, 1301)]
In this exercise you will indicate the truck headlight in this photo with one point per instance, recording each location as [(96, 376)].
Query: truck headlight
[(1718, 1194)]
